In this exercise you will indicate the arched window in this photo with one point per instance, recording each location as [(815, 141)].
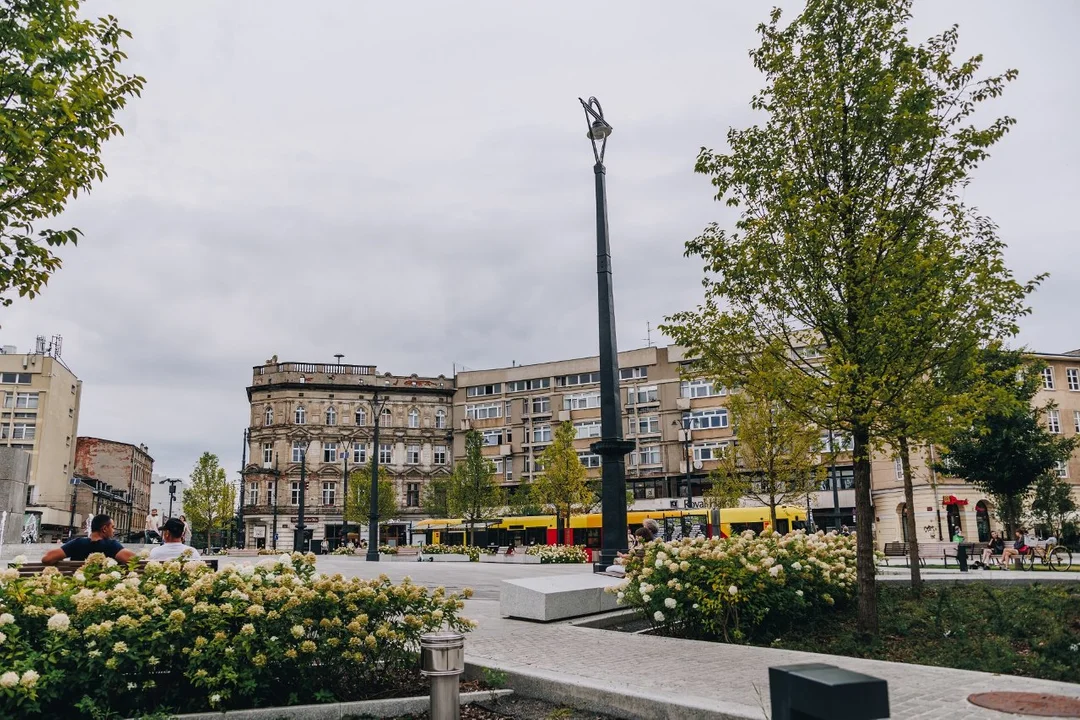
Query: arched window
[(440, 419), (361, 416), (299, 417), (387, 419), (414, 418), (268, 417), (331, 416)]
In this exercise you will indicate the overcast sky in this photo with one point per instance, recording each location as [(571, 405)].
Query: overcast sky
[(409, 184)]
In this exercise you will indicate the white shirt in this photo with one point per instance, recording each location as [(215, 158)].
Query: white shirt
[(153, 522), (173, 550)]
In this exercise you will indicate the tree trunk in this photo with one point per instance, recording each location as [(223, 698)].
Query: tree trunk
[(867, 622), (909, 517), (772, 511)]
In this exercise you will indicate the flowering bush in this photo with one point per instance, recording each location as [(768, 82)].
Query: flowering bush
[(471, 550), (559, 553), (183, 638), (735, 588), (387, 550), (343, 550)]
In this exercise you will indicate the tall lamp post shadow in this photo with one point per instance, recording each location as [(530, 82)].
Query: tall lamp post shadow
[(611, 447)]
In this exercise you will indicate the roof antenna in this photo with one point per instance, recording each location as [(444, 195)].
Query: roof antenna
[(648, 335)]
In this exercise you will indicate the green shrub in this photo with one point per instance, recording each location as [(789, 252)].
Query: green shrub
[(731, 588), (559, 553), (471, 550), (184, 638)]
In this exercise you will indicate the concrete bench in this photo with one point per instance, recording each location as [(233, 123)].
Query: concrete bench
[(557, 597), (70, 567)]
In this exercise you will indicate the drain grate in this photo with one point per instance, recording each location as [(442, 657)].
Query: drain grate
[(1031, 704)]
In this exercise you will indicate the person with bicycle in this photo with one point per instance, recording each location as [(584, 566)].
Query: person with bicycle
[(1019, 548)]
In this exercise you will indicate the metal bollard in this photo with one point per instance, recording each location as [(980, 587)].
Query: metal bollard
[(825, 692), (961, 557), (442, 658)]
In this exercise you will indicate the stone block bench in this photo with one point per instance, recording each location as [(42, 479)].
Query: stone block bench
[(558, 597)]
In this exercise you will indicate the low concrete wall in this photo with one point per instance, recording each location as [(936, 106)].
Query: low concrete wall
[(449, 557), (521, 559)]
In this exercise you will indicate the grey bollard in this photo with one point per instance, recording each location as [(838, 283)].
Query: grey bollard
[(825, 692), (442, 658)]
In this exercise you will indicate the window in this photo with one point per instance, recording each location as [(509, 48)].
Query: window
[(641, 395), (587, 429), (1076, 421), (329, 452), (268, 416), (498, 462), (699, 388), (414, 418), (412, 495), (1048, 378), (483, 412), (23, 431), (28, 401), (271, 493), (711, 418), (299, 417), (649, 455), (386, 419), (541, 405), (634, 373), (507, 405), (298, 449), (412, 454), (648, 425), (842, 442), (843, 476), (482, 390), (1072, 378), (523, 385), (329, 493), (386, 453), (295, 495), (268, 453), (703, 452), (361, 416), (898, 466), (440, 419), (491, 437), (579, 379), (31, 495), (440, 454), (1053, 421), (1062, 469), (581, 401), (331, 416), (15, 378), (541, 434), (359, 452), (588, 458), (253, 493), (508, 475)]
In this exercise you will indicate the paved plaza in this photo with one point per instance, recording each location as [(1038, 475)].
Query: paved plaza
[(691, 679)]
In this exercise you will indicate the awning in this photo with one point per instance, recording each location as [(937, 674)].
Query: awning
[(953, 500)]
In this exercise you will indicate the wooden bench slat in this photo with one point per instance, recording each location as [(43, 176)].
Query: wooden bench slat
[(70, 567)]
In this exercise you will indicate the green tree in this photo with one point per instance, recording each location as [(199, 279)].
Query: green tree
[(725, 491), (1007, 449), (854, 260), (435, 500), (1052, 503), (524, 500), (358, 500), (210, 499), (563, 486), (62, 88), (475, 493)]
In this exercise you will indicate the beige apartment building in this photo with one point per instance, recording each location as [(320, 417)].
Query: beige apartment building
[(322, 414), (40, 415), (515, 409)]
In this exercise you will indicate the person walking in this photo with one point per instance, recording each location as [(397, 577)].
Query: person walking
[(187, 530), (100, 541), (153, 526)]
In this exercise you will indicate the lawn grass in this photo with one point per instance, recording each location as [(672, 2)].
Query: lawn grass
[(1032, 630)]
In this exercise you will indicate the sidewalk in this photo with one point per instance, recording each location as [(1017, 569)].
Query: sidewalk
[(693, 679)]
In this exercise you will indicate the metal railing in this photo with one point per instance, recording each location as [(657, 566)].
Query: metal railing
[(315, 369)]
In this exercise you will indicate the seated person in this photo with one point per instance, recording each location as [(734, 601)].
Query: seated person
[(995, 547), (1018, 549), (100, 541), (643, 536), (172, 547)]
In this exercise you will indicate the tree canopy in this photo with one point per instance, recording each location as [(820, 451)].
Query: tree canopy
[(358, 500), (563, 485), (210, 499), (474, 491)]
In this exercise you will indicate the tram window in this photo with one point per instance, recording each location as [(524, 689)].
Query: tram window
[(782, 526), (737, 528), (579, 536), (592, 538), (799, 524), (536, 536)]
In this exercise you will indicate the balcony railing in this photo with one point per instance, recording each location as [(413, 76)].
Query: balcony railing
[(315, 369)]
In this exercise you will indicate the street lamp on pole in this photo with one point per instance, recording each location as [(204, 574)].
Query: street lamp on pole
[(688, 424), (173, 482), (344, 540), (611, 447), (373, 516), (240, 529)]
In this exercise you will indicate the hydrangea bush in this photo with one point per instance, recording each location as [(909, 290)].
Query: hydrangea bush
[(436, 549), (559, 553), (739, 588), (183, 638)]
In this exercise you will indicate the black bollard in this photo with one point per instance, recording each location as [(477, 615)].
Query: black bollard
[(825, 692), (961, 557)]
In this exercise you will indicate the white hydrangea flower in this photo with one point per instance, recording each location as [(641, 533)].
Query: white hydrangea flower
[(9, 679), (658, 616), (670, 603), (733, 590), (59, 622), (29, 679), (775, 570), (19, 560), (7, 619), (799, 593), (645, 598)]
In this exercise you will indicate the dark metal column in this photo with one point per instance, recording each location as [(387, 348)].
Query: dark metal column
[(301, 528), (373, 516)]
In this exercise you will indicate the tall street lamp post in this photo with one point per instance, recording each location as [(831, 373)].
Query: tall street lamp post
[(344, 540), (277, 479), (240, 529), (301, 528), (835, 482), (373, 516), (611, 447)]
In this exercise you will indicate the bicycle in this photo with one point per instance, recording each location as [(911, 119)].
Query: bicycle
[(1055, 556)]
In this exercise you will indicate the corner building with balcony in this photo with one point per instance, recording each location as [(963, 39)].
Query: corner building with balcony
[(326, 411)]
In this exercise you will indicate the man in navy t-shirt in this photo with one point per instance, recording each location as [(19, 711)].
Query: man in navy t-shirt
[(100, 541)]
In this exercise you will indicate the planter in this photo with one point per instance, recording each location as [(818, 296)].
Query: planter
[(521, 559), (448, 557), (392, 707)]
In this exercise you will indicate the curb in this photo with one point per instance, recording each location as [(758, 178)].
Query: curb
[(391, 707), (621, 701)]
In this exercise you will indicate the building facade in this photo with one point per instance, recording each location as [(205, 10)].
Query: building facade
[(322, 415), (40, 415), (117, 478)]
